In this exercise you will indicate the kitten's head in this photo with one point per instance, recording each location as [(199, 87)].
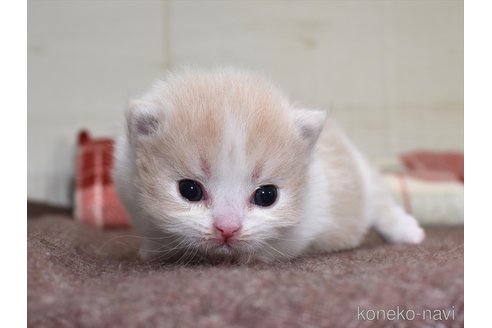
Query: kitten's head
[(221, 160)]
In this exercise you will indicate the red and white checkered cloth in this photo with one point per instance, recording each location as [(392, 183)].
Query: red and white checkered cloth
[(96, 200)]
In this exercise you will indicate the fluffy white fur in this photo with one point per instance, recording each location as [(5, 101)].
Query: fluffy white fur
[(233, 131)]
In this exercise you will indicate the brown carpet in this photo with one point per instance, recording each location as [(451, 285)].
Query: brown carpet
[(80, 277)]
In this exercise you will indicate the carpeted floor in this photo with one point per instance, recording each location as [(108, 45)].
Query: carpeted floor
[(81, 277)]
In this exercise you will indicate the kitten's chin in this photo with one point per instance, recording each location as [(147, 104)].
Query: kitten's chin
[(232, 250)]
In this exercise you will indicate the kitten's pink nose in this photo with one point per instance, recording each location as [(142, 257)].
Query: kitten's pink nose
[(227, 226)]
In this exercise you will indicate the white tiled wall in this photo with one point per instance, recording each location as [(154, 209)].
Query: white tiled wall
[(390, 71)]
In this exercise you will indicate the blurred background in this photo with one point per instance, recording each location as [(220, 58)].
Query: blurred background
[(391, 72)]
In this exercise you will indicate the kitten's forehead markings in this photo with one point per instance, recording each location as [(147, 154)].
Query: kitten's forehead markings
[(232, 164), (205, 167), (257, 172), (232, 155)]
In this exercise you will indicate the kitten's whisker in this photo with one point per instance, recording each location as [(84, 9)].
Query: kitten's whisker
[(115, 238), (285, 239), (164, 250), (276, 250)]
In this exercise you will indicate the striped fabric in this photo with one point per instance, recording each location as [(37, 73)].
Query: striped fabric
[(96, 200), (429, 185)]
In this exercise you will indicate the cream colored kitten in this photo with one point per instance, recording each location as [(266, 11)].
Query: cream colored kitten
[(220, 165)]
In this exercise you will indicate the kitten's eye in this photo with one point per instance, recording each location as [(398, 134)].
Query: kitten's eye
[(265, 195), (190, 190)]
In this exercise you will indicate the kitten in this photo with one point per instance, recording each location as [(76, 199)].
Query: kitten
[(220, 165)]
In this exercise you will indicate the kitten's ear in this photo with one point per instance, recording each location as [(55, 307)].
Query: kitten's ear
[(309, 124), (143, 119)]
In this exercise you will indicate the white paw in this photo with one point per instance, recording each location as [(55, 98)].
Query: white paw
[(148, 250), (407, 230), (145, 254)]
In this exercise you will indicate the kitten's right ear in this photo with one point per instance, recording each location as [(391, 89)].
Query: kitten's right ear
[(143, 119)]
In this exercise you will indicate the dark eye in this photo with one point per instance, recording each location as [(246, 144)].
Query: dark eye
[(265, 195), (190, 190)]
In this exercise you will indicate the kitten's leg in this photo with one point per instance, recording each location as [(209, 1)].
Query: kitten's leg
[(387, 217), (154, 244), (384, 214), (395, 225)]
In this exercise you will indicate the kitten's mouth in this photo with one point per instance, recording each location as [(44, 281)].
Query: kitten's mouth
[(228, 245), (228, 250)]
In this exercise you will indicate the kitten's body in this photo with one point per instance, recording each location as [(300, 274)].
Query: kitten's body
[(233, 132)]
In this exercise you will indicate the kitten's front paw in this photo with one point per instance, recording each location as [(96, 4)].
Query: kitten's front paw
[(144, 255), (149, 251)]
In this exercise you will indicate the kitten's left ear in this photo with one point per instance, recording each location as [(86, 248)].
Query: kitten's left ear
[(310, 124)]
